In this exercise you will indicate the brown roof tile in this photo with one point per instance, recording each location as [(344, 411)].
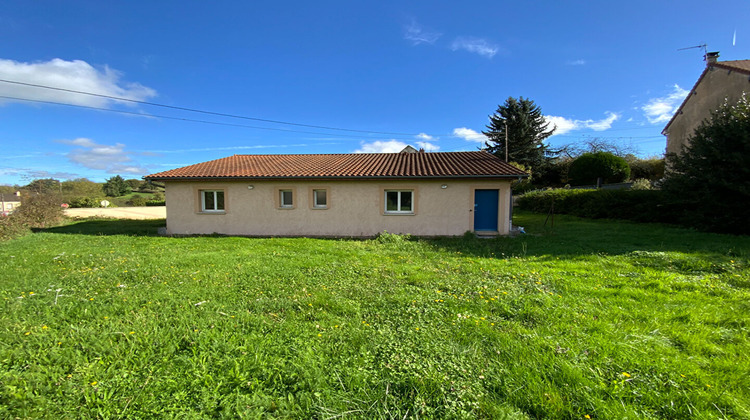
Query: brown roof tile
[(737, 65), (364, 165)]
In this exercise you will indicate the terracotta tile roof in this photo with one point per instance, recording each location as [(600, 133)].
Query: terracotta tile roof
[(736, 65), (364, 165)]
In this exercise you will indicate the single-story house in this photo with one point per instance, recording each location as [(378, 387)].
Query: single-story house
[(356, 195), (720, 81), (9, 202)]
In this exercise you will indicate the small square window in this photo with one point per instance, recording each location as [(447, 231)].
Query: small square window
[(212, 200), (399, 201), (286, 198), (320, 199)]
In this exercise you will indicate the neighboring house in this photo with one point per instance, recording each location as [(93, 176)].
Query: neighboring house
[(359, 195), (9, 202), (719, 82)]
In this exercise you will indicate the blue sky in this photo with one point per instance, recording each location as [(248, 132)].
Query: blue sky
[(421, 73)]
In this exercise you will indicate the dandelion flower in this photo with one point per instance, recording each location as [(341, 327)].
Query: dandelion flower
[(94, 383), (626, 374)]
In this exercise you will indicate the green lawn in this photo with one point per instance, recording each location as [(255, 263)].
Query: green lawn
[(603, 319)]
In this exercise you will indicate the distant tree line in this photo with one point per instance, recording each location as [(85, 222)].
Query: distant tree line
[(82, 192)]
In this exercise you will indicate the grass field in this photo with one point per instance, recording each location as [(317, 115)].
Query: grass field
[(593, 319)]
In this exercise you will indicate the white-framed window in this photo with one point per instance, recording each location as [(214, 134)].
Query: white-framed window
[(320, 199), (399, 201), (212, 200), (286, 198)]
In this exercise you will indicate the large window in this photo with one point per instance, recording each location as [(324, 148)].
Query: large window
[(399, 201), (320, 199), (286, 199), (212, 200)]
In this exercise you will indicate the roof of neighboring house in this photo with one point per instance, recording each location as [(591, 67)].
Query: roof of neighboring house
[(741, 66), (365, 165), (11, 198)]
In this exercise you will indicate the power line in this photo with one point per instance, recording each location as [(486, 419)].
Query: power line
[(117, 98), (179, 118)]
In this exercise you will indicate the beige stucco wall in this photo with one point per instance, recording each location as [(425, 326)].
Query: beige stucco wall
[(716, 86), (355, 208)]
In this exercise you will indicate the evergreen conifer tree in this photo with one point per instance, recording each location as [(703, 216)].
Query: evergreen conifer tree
[(526, 129)]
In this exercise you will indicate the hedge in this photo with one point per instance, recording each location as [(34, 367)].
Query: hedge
[(635, 205)]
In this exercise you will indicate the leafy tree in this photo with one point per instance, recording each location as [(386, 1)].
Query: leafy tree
[(43, 186), (134, 184), (586, 168), (81, 187), (115, 187), (8, 189), (710, 178), (526, 128)]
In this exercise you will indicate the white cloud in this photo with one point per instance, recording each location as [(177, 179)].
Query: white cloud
[(393, 146), (564, 125), (112, 159), (469, 135), (428, 147), (660, 110), (475, 45), (424, 136), (30, 174), (73, 75), (576, 62), (389, 146), (417, 35)]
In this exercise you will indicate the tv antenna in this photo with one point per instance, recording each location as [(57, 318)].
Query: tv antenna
[(703, 46)]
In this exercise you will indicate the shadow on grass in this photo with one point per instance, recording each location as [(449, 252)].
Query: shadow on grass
[(573, 237), (107, 227)]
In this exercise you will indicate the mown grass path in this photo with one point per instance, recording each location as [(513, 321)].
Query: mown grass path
[(602, 319)]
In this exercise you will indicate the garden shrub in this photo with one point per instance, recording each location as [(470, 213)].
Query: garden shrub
[(710, 178), (641, 184), (138, 201), (154, 203), (587, 168), (85, 202), (40, 211), (36, 211), (651, 169), (635, 205)]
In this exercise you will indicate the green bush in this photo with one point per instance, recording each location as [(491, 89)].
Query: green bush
[(138, 201), (710, 178), (651, 169), (40, 211), (35, 211), (155, 203), (587, 168), (11, 227), (641, 184), (635, 205), (85, 202)]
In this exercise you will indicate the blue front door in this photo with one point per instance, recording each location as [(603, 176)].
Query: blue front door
[(485, 209)]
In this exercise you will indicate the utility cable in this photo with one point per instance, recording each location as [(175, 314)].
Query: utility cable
[(179, 118), (205, 112)]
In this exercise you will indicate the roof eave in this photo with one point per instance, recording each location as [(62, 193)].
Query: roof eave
[(333, 178)]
